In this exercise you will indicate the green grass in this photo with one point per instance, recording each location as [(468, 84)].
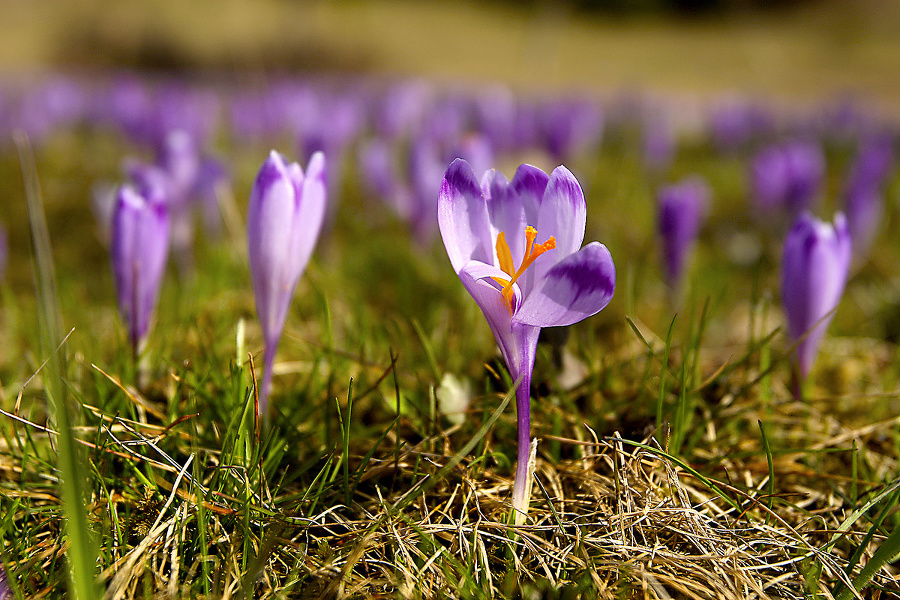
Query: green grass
[(679, 462)]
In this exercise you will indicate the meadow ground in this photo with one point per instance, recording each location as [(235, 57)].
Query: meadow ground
[(673, 460)]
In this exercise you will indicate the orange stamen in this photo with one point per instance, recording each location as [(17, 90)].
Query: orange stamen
[(504, 257)]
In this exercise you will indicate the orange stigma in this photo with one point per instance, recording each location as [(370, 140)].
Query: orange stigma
[(504, 256)]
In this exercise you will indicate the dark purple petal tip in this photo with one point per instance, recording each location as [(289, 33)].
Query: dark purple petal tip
[(273, 169), (529, 178), (563, 182), (460, 179)]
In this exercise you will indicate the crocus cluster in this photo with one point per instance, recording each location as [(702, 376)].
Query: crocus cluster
[(682, 208), (287, 207), (516, 247), (814, 267)]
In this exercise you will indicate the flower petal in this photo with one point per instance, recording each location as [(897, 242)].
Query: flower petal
[(506, 213), (311, 212), (815, 261), (270, 221), (577, 287), (516, 340), (463, 217), (529, 184), (562, 213)]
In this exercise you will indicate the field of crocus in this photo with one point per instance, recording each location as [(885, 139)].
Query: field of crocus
[(328, 338)]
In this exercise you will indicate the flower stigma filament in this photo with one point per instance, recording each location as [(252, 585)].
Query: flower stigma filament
[(504, 257)]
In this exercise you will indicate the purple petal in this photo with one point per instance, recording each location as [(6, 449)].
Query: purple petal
[(506, 213), (562, 213), (577, 287), (511, 336), (311, 213), (815, 263), (270, 238), (529, 184), (463, 217), (139, 249)]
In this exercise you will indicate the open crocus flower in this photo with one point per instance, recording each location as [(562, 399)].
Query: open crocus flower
[(516, 247), (283, 223), (814, 270)]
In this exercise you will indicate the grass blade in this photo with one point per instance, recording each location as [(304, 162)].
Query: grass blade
[(81, 554)]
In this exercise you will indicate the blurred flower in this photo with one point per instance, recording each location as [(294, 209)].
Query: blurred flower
[(139, 248), (453, 396), (787, 176), (490, 232), (864, 193), (283, 223), (570, 127), (814, 268), (682, 209), (659, 143), (736, 122)]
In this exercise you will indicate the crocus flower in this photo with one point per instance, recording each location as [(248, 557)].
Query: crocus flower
[(682, 208), (516, 247), (864, 192), (283, 223), (788, 176), (814, 269), (139, 248)]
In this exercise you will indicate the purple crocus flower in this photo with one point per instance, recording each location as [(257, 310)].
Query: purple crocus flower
[(814, 269), (139, 248), (864, 195), (491, 234), (787, 176), (682, 208), (283, 223)]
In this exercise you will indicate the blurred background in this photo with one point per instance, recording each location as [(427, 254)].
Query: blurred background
[(790, 49)]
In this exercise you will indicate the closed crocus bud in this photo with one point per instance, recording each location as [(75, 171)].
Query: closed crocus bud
[(682, 208), (814, 270), (139, 248), (283, 223)]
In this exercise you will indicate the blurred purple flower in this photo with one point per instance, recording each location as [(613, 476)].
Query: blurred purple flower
[(788, 176), (735, 123), (682, 209), (570, 127), (659, 142), (864, 193), (401, 108), (814, 268), (487, 229), (139, 248), (377, 168), (284, 219)]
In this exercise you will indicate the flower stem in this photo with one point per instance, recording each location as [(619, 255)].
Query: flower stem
[(266, 385), (522, 486)]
